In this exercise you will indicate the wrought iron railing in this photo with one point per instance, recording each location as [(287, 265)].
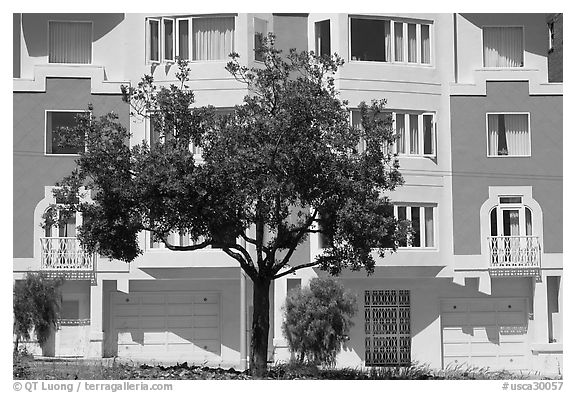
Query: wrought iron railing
[(514, 252), (65, 254)]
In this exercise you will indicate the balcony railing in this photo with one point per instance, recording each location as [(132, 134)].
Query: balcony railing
[(514, 255), (65, 254)]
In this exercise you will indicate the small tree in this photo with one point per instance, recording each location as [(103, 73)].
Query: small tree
[(36, 307), (317, 320)]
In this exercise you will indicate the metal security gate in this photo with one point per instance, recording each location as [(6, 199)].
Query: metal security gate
[(387, 327)]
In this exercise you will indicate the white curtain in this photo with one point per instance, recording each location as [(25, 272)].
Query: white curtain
[(425, 42), (70, 42), (387, 41), (414, 149), (213, 38), (517, 134), (492, 135), (399, 41), (503, 47), (514, 221), (412, 57), (429, 226)]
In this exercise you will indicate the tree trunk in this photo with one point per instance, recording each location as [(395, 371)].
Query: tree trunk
[(260, 327)]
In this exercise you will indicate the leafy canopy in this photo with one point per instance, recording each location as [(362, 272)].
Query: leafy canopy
[(280, 163)]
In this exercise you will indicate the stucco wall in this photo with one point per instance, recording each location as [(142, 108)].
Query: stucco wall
[(474, 172), (32, 168)]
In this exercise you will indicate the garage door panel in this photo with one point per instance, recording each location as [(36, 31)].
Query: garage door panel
[(152, 323), (212, 346), (487, 333), (456, 349), (206, 321), (130, 337), (152, 299), (180, 322), (482, 318), (180, 336), (454, 306), (206, 333), (481, 305), (454, 361), (180, 298), (454, 319), (512, 305), (483, 348), (206, 309), (180, 309), (125, 323), (456, 334), (121, 298), (512, 318), (122, 310), (153, 309), (206, 299), (154, 337)]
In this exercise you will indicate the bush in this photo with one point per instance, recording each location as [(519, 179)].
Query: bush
[(36, 305), (317, 320)]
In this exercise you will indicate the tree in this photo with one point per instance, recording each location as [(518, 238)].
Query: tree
[(283, 160), (317, 320), (36, 306)]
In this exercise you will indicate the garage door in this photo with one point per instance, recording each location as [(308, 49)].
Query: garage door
[(173, 326), (485, 333)]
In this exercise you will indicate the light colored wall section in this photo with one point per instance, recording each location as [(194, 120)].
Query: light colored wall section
[(470, 50)]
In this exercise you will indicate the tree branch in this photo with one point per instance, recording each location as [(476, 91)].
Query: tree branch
[(295, 268), (302, 231)]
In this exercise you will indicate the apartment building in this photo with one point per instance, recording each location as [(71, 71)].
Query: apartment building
[(480, 133)]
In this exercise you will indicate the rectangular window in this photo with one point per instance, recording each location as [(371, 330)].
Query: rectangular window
[(387, 327), (322, 34), (260, 31), (153, 39), (212, 38), (70, 309), (386, 40), (293, 284), (508, 134), (416, 134), (183, 39), (169, 39), (412, 47), (503, 47), (57, 142), (422, 221), (70, 42), (425, 44)]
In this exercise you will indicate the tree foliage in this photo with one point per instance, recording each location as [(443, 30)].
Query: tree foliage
[(269, 171), (36, 307), (317, 320)]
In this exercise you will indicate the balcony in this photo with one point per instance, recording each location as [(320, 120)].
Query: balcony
[(65, 256), (516, 256)]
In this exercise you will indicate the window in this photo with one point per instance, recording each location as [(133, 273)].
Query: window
[(508, 134), (260, 31), (293, 284), (183, 38), (386, 40), (503, 47), (64, 229), (387, 327), (511, 218), (169, 39), (55, 141), (356, 119), (416, 134), (422, 220), (70, 309), (322, 33), (192, 38), (550, 36), (69, 42)]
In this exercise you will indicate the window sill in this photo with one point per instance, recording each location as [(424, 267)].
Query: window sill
[(392, 63), (60, 155), (71, 64), (509, 156), (417, 249)]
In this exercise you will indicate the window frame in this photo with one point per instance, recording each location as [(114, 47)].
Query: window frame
[(422, 207), (523, 66), (71, 21), (318, 36), (392, 21), (46, 111), (175, 41), (163, 41), (407, 141), (177, 36), (265, 21), (148, 40), (488, 155)]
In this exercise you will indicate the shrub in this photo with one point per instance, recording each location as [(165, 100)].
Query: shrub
[(317, 320), (36, 305)]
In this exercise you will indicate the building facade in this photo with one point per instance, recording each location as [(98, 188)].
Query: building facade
[(480, 149)]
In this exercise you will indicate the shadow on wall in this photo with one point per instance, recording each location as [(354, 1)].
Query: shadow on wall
[(535, 28), (35, 28)]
